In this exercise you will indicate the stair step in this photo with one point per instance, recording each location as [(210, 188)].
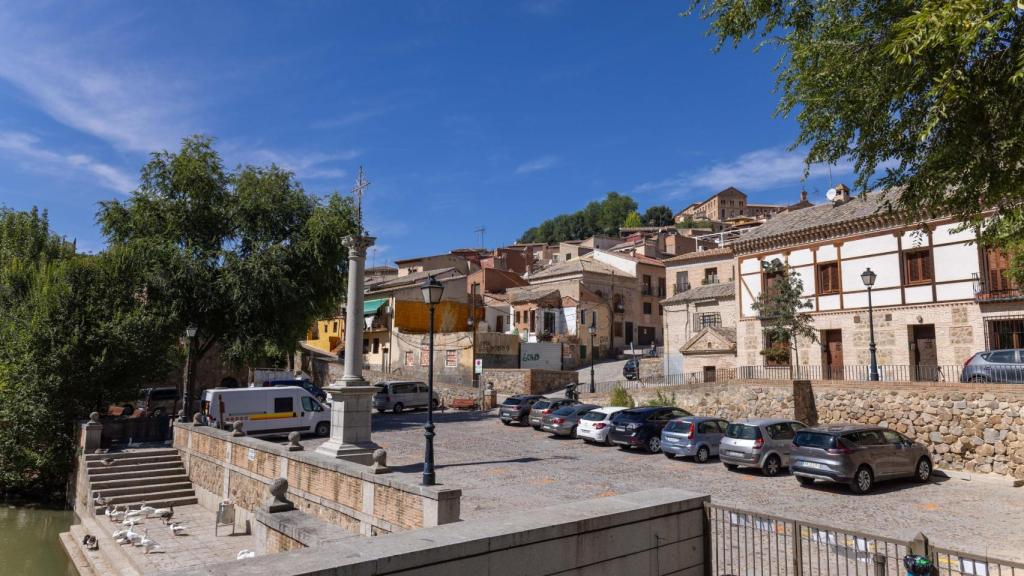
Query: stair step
[(98, 474), (143, 490), (128, 462), (76, 554), (135, 454), (146, 473), (150, 497), (113, 557), (96, 558), (101, 485), (155, 502)]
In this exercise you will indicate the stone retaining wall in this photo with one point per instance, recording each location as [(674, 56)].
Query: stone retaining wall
[(527, 380), (345, 494), (968, 428)]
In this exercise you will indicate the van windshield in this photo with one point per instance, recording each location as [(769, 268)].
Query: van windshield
[(743, 432)]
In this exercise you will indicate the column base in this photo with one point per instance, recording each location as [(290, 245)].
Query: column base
[(361, 453), (350, 424)]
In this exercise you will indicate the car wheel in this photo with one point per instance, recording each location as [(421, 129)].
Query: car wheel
[(923, 472), (397, 409), (702, 454), (772, 466), (978, 378), (608, 440), (862, 481), (536, 426), (654, 445), (323, 429), (158, 412), (731, 467), (435, 403), (804, 480), (573, 433)]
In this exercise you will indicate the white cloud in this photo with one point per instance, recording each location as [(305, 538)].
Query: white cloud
[(312, 165), (542, 163), (26, 149), (754, 171), (352, 118)]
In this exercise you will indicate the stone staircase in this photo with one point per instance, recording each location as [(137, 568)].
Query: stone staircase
[(155, 477)]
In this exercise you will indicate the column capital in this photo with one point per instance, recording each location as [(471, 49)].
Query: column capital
[(357, 245)]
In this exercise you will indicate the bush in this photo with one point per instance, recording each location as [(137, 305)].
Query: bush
[(619, 397), (662, 400)]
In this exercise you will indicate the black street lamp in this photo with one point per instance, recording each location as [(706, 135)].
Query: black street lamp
[(186, 382), (432, 291), (868, 277), (593, 332)]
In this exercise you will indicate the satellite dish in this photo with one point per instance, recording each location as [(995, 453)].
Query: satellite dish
[(831, 194)]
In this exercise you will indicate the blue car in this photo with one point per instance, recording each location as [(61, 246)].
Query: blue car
[(694, 436)]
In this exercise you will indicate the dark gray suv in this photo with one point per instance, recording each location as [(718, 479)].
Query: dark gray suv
[(994, 366), (857, 455), (516, 408)]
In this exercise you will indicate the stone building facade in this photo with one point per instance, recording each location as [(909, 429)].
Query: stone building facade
[(703, 297)]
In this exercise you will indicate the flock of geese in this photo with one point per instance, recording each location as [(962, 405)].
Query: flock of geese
[(130, 518)]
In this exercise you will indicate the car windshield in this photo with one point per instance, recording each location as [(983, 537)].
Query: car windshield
[(743, 431), (565, 411), (630, 416), (542, 404), (814, 440), (594, 416), (512, 401), (678, 426)]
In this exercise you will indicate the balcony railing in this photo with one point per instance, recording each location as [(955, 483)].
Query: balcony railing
[(646, 290), (983, 294), (709, 280), (677, 288)]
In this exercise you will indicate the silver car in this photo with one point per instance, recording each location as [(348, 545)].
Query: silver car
[(857, 455), (546, 406), (763, 443), (696, 436), (399, 395), (563, 422)]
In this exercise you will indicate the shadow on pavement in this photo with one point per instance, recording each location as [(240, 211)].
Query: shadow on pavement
[(386, 421)]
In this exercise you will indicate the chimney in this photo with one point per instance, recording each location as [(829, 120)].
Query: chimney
[(803, 196), (842, 194)]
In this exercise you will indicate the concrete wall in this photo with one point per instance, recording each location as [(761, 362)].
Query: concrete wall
[(223, 467), (528, 381), (974, 429), (656, 532)]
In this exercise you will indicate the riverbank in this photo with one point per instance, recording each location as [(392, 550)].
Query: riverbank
[(29, 545)]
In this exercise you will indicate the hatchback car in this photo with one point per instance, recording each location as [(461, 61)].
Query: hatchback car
[(641, 427), (857, 455), (564, 421), (697, 436), (517, 408), (397, 396), (764, 443), (546, 406), (994, 366), (595, 425), (631, 369)]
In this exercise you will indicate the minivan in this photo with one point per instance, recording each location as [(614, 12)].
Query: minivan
[(994, 366), (265, 411), (641, 427), (399, 395), (546, 406), (698, 436), (158, 401), (764, 443)]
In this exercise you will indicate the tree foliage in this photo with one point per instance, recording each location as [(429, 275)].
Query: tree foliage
[(633, 220), (658, 216), (246, 256), (927, 93), (780, 306), (597, 218)]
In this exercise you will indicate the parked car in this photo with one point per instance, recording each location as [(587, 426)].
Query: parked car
[(631, 369), (857, 455), (641, 427), (563, 422), (266, 410), (157, 402), (994, 366), (517, 408), (696, 436), (399, 395), (308, 386), (595, 425), (764, 443), (546, 406)]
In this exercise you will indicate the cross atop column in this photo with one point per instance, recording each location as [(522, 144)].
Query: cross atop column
[(357, 192)]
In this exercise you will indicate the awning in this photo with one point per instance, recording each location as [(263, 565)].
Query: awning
[(370, 307)]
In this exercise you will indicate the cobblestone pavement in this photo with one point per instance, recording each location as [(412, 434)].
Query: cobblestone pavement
[(504, 468)]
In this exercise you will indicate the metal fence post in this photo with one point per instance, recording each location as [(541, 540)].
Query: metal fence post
[(797, 550), (880, 564), (708, 568)]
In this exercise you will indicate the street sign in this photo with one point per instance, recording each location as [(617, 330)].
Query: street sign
[(478, 365)]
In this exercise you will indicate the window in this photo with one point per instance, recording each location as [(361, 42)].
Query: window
[(283, 404), (366, 346), (309, 405), (376, 345), (533, 320), (661, 287), (647, 284), (661, 310), (410, 359), (776, 351), (892, 437), (583, 317), (1001, 357), (499, 324), (549, 322), (421, 388), (335, 326), (424, 357), (403, 388), (711, 275), (647, 308), (828, 278), (703, 320), (918, 265), (568, 256), (769, 280), (617, 329), (517, 316), (451, 358), (997, 266)]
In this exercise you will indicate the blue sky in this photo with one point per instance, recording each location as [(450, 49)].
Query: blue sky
[(464, 114)]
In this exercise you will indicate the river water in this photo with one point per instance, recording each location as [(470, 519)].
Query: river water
[(28, 541)]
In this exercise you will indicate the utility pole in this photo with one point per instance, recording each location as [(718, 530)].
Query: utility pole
[(473, 323), (480, 232)]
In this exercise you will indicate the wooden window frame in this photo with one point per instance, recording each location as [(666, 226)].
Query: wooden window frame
[(907, 255), (451, 358), (818, 284)]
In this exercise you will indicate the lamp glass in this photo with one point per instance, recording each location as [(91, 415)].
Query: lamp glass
[(432, 291), (868, 277), (592, 330), (191, 331)]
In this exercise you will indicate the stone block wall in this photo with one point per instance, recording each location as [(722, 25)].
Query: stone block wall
[(527, 381), (340, 493), (969, 428)]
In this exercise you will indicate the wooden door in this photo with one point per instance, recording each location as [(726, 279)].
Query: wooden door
[(997, 264), (709, 374), (923, 353), (832, 351), (629, 333)]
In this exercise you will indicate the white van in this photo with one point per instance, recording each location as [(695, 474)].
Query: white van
[(265, 411)]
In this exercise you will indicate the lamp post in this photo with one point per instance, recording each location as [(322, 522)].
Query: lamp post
[(432, 291), (868, 277), (593, 332), (186, 382)]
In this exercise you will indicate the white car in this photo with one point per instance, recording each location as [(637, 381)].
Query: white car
[(594, 425)]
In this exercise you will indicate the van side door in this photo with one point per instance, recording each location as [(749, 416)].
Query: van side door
[(422, 395)]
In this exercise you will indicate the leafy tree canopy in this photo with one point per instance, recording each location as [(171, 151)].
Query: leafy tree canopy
[(781, 308), (928, 90), (658, 216), (633, 220), (604, 217)]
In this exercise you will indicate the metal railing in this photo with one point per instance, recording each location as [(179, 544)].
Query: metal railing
[(886, 373), (742, 542)]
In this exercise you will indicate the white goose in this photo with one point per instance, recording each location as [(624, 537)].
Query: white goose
[(162, 512), (132, 537), (147, 543), (147, 509), (116, 514), (245, 554), (133, 515), (177, 528), (130, 520)]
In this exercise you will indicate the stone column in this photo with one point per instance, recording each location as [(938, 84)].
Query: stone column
[(92, 434), (352, 397)]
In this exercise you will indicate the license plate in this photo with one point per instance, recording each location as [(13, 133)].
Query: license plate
[(620, 429), (814, 465), (733, 453)]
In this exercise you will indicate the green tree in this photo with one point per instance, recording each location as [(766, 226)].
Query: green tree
[(633, 220), (780, 307), (619, 397), (659, 216), (604, 217), (246, 255), (928, 90)]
